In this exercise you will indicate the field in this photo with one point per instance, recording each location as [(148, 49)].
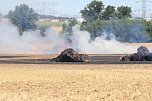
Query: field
[(34, 78), (75, 82), (49, 23), (37, 81)]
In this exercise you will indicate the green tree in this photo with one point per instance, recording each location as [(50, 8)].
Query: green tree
[(109, 13), (93, 11), (68, 27), (124, 12), (148, 27), (43, 29), (23, 17)]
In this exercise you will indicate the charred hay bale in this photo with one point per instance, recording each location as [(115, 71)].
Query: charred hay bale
[(143, 50), (85, 58), (141, 55), (70, 55), (148, 57), (125, 58), (133, 57), (137, 57)]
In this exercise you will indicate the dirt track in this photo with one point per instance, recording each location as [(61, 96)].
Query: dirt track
[(46, 59)]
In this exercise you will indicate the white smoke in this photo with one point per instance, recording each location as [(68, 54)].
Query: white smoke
[(31, 42), (81, 42)]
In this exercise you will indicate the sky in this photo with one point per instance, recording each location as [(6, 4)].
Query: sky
[(64, 7)]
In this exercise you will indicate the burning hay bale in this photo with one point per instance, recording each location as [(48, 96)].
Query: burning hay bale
[(141, 55), (70, 55)]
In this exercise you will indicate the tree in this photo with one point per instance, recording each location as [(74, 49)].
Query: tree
[(43, 29), (148, 27), (109, 12), (68, 27), (23, 17), (124, 12), (93, 11)]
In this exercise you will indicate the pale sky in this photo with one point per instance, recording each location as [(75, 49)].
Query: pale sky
[(65, 7)]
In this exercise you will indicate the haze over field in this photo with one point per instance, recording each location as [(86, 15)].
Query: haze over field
[(32, 42), (97, 34)]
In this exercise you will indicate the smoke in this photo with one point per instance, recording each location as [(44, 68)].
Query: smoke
[(80, 41), (31, 42)]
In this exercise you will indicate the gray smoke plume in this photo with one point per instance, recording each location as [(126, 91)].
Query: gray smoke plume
[(80, 41), (31, 42)]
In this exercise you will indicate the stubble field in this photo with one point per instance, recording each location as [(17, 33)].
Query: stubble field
[(34, 78), (75, 82)]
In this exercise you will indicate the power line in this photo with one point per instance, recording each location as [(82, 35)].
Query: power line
[(144, 8), (45, 7)]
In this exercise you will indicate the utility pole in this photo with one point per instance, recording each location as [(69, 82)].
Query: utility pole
[(45, 7), (144, 12), (144, 8)]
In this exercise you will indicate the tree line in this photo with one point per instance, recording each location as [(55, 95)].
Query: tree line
[(99, 18), (97, 11)]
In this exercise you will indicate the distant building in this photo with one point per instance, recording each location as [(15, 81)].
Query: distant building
[(55, 20), (79, 19), (44, 19), (62, 19)]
